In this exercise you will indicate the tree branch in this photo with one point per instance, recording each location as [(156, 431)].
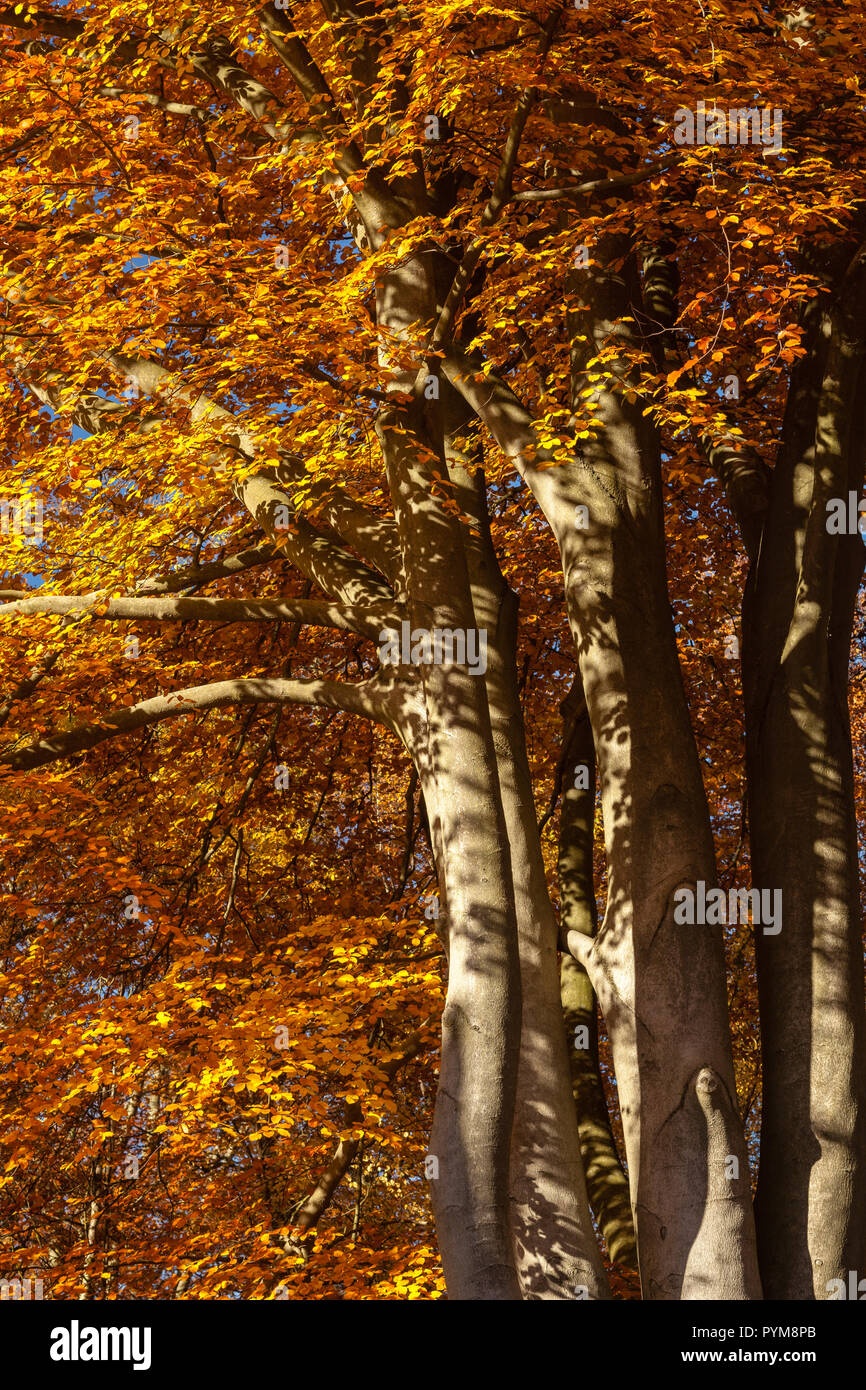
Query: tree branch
[(600, 187), (25, 688), (365, 699), (498, 199), (308, 612), (203, 574), (320, 1199)]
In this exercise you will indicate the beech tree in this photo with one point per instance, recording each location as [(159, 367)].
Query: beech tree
[(364, 365)]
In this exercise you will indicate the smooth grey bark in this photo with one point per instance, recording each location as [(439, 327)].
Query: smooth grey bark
[(448, 732), (607, 1184), (556, 1252), (661, 985), (553, 1251), (798, 616), (797, 626)]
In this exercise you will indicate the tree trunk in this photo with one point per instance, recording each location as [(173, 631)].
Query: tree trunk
[(446, 727), (798, 616), (661, 985), (606, 1182), (556, 1252)]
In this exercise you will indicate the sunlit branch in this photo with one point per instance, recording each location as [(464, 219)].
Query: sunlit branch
[(308, 612), (364, 699)]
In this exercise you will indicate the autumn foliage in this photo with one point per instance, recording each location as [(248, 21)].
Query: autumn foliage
[(221, 972)]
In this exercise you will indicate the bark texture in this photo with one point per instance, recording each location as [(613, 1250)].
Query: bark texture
[(798, 615), (661, 985), (607, 1184)]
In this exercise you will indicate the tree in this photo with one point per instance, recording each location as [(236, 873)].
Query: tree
[(386, 321)]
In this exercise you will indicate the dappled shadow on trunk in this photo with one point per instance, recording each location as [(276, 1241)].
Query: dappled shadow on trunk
[(510, 1202), (661, 984), (808, 979), (607, 1185), (798, 619)]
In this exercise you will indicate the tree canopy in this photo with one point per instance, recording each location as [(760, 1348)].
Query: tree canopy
[(328, 325)]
